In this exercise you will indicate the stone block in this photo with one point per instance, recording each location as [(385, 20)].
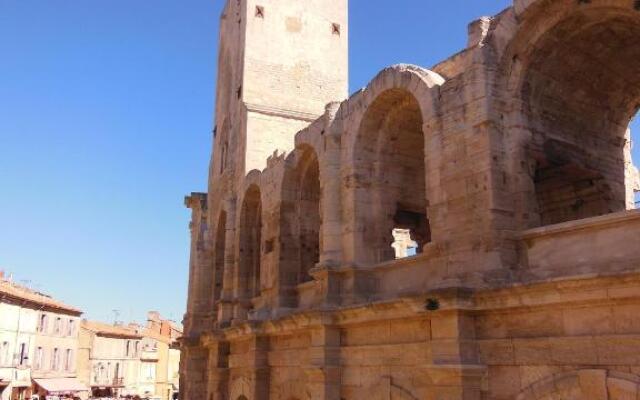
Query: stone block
[(504, 382), (532, 351), (588, 321), (593, 384), (496, 352)]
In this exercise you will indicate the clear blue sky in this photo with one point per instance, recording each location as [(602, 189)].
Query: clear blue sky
[(105, 124)]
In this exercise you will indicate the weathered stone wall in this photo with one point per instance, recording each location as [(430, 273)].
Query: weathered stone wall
[(559, 329), (508, 164), (505, 343)]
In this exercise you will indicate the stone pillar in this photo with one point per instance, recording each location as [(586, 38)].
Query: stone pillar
[(193, 370), (323, 372), (331, 257), (198, 275), (455, 370), (225, 306), (331, 189), (218, 369), (259, 366)]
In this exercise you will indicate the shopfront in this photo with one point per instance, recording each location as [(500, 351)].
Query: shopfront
[(60, 388)]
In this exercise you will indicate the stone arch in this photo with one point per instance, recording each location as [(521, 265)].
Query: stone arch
[(385, 148), (250, 244), (570, 73), (306, 184), (422, 83), (240, 388), (300, 218), (390, 160), (581, 384), (309, 217)]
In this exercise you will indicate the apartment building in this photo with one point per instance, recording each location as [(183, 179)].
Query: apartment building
[(109, 359), (38, 344), (160, 358), (133, 360), (54, 360)]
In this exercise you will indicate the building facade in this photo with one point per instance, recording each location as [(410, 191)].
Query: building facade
[(173, 370), (17, 342), (55, 353), (38, 345), (160, 357), (130, 361), (109, 359), (508, 166)]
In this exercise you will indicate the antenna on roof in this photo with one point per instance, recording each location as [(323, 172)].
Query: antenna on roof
[(116, 315)]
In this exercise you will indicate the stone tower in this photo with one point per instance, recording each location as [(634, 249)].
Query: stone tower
[(280, 63)]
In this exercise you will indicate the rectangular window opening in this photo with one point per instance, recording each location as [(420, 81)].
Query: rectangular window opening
[(335, 29)]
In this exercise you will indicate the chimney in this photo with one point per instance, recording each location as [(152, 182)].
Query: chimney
[(153, 316), (165, 328), (154, 321)]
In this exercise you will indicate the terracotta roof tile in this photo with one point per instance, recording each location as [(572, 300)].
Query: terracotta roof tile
[(110, 330), (37, 299)]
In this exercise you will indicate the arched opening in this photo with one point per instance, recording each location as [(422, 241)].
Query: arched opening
[(220, 251), (300, 220), (391, 182), (309, 214), (250, 244), (581, 88)]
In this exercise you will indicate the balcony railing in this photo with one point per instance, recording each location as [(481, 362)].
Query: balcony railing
[(115, 382), (149, 355), (596, 245)]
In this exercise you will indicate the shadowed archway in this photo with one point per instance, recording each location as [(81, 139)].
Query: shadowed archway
[(300, 221), (391, 175), (250, 244), (579, 89)]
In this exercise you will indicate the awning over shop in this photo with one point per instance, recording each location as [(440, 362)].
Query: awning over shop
[(61, 385)]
